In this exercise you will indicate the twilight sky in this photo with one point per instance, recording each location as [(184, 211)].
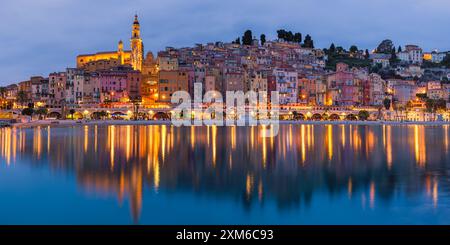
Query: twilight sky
[(41, 36)]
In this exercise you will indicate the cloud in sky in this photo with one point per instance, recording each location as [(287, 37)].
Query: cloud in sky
[(41, 36)]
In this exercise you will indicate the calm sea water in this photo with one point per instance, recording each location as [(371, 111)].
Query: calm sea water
[(309, 174)]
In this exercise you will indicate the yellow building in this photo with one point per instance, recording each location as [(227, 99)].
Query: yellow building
[(149, 86), (106, 60)]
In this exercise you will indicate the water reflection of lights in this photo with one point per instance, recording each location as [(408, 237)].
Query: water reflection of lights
[(111, 141), (431, 188), (86, 138), (387, 141), (303, 144), (329, 141), (264, 146), (372, 195), (135, 160), (446, 136), (350, 188), (214, 144), (48, 139), (419, 145)]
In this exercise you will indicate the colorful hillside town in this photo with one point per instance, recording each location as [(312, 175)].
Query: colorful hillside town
[(389, 83)]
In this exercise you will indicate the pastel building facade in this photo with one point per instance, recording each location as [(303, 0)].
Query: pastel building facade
[(286, 85)]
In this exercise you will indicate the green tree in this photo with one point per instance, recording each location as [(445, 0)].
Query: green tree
[(2, 92), (308, 43), (332, 49), (281, 34), (102, 114), (297, 37), (72, 112), (237, 41), (387, 103), (393, 55), (247, 39), (22, 97), (353, 49), (399, 49), (28, 112), (263, 39), (340, 49), (42, 112), (363, 115), (289, 36), (366, 54), (422, 96)]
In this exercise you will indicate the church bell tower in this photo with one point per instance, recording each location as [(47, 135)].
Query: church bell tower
[(137, 49)]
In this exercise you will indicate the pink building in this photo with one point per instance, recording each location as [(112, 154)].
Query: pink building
[(57, 89), (113, 85), (348, 89), (119, 85)]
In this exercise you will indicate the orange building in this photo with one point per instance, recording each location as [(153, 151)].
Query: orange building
[(149, 85), (107, 60), (169, 83)]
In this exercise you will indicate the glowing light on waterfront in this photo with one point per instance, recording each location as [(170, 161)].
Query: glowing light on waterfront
[(350, 188), (419, 145), (37, 141), (329, 141), (48, 139), (260, 190), (271, 138), (207, 135), (252, 137), (214, 142), (264, 146), (86, 138), (192, 137), (156, 174), (233, 137), (388, 147), (111, 140), (290, 136), (356, 141), (249, 185), (163, 142), (370, 142), (6, 142), (128, 142), (14, 144), (372, 195), (435, 193), (303, 144), (95, 138), (446, 137)]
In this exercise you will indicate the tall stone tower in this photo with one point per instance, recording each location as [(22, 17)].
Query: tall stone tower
[(137, 48), (120, 52)]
